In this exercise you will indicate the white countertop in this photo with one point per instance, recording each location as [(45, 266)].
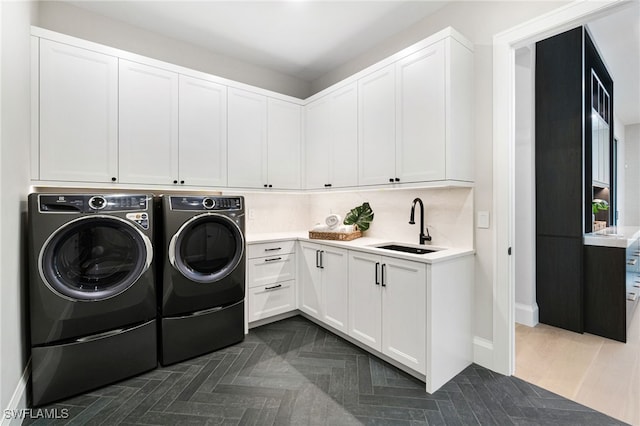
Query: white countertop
[(615, 236), (368, 244)]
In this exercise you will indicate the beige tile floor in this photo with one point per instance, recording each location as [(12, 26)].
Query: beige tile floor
[(600, 373)]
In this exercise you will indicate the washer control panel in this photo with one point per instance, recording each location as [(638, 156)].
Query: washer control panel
[(81, 203), (205, 203)]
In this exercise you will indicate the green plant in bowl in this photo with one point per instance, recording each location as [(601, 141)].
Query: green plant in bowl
[(360, 216), (599, 205)]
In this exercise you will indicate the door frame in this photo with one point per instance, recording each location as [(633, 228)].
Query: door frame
[(505, 44)]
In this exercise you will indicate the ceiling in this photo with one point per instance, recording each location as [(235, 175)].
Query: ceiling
[(306, 39)]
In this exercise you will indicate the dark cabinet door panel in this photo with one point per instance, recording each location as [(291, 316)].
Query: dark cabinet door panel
[(559, 277)]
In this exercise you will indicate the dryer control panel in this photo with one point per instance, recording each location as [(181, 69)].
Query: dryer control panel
[(82, 203), (205, 203)]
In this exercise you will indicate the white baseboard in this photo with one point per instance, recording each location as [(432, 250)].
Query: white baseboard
[(18, 403), (483, 352), (527, 314)]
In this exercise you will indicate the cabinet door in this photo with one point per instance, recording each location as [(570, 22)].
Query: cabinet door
[(283, 144), (333, 263), (404, 312), (343, 170), (310, 280), (420, 125), (376, 119), (595, 147), (148, 125), (78, 114), (365, 308), (317, 143), (604, 152), (247, 139), (203, 132)]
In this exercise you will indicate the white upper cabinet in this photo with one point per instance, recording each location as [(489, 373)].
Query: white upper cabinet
[(376, 127), (415, 118), (284, 133), (103, 115), (332, 139), (317, 143), (148, 124), (78, 113), (247, 139), (203, 132), (263, 141), (420, 116)]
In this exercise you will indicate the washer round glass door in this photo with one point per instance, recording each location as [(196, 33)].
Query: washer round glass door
[(207, 248), (94, 258)]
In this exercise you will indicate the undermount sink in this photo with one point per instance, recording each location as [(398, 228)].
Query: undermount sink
[(407, 249)]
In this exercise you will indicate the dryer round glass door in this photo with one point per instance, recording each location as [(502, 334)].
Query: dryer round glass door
[(94, 258), (207, 248)]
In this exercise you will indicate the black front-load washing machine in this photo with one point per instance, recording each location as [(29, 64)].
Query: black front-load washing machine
[(91, 290), (202, 280)]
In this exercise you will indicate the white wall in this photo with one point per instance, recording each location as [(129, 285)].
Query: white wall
[(478, 21), (632, 175), (77, 22), (269, 212), (448, 213), (16, 19), (525, 237)]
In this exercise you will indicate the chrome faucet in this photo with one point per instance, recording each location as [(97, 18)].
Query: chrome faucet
[(423, 238)]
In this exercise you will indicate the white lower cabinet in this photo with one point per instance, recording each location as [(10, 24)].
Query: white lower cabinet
[(271, 274), (415, 314), (323, 284), (387, 306)]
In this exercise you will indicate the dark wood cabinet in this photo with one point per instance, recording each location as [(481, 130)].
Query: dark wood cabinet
[(563, 170), (612, 289)]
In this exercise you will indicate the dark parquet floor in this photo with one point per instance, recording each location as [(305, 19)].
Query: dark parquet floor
[(293, 372)]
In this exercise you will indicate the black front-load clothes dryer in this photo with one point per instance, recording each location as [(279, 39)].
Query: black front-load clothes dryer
[(202, 275), (92, 299)]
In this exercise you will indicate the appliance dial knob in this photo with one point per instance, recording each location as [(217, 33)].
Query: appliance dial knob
[(98, 202), (209, 203)]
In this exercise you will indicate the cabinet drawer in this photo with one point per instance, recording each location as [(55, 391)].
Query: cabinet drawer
[(270, 300), (271, 269), (269, 249)]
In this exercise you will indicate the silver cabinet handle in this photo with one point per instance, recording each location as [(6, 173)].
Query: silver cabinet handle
[(273, 287), (273, 249), (632, 262), (273, 259), (317, 258), (377, 277), (321, 259)]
